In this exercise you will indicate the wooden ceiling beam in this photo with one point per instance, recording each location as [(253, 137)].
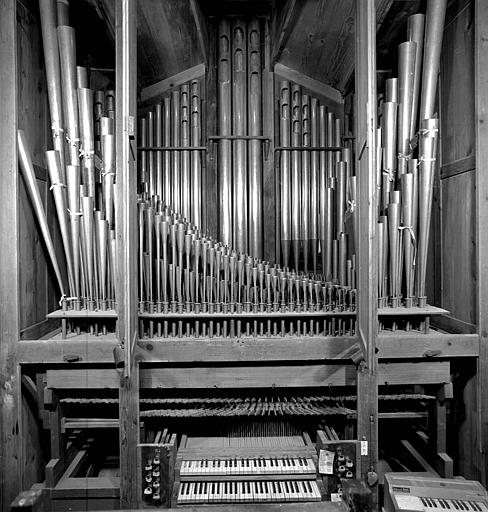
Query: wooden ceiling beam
[(282, 28)]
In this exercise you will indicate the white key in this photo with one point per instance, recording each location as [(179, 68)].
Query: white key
[(260, 494), (246, 492), (181, 492), (315, 490)]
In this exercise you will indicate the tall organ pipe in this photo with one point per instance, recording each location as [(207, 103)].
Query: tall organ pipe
[(225, 129), (239, 125), (67, 51), (56, 173), (255, 151), (28, 172), (296, 171), (185, 155), (168, 198), (428, 149), (158, 141), (314, 181), (47, 10), (85, 102), (406, 70), (196, 159), (175, 140), (285, 212), (434, 28), (415, 31), (306, 192)]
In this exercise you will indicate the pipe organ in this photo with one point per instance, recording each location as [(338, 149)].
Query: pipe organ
[(206, 269)]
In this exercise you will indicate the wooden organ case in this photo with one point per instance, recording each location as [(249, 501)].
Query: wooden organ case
[(236, 262)]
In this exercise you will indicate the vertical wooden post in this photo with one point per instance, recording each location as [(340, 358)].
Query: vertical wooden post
[(481, 110), (10, 438), (126, 79), (365, 108)]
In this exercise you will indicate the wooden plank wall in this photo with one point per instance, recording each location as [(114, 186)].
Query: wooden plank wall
[(457, 220), (37, 288), (457, 172)]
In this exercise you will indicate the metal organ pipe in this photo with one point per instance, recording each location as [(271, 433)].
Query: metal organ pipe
[(255, 148), (225, 129), (239, 125), (196, 159), (285, 178)]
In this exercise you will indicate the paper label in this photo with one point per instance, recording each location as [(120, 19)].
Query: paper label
[(364, 447), (335, 496), (326, 462), (409, 502)]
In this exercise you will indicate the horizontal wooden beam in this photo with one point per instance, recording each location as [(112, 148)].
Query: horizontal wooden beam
[(394, 345), (81, 349), (309, 83), (259, 349), (155, 91), (401, 345), (281, 376)]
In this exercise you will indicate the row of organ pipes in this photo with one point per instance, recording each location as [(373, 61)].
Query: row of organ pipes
[(81, 167), (184, 269), (407, 143)]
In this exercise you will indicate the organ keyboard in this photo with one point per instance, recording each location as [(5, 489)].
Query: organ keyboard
[(248, 466), (248, 491), (246, 470), (410, 493)]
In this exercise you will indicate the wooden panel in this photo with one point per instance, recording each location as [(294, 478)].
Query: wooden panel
[(204, 350), (282, 376), (365, 150), (10, 430), (167, 39), (457, 88), (414, 373), (126, 224), (480, 430), (458, 247), (401, 345)]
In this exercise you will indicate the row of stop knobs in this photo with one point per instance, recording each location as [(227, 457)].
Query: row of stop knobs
[(152, 479)]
